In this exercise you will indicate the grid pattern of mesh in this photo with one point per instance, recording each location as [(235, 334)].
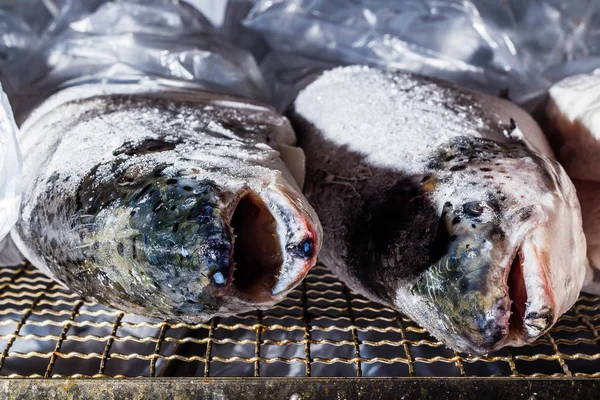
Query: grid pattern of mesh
[(321, 329)]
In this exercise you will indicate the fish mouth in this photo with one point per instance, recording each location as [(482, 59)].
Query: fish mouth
[(517, 295), (529, 304), (264, 267)]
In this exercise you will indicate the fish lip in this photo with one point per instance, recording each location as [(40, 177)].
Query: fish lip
[(503, 309), (279, 196), (309, 264), (505, 333), (227, 212), (517, 333), (312, 230)]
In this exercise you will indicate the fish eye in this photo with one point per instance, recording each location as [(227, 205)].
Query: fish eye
[(477, 208), (307, 247), (304, 249)]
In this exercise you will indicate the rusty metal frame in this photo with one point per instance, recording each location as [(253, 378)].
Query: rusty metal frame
[(297, 389), (321, 329)]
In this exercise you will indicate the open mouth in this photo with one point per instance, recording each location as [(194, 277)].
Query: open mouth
[(517, 292), (274, 245), (257, 251), (531, 302)]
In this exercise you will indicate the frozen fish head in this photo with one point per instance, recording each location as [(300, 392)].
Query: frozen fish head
[(499, 270), (165, 207), (443, 203)]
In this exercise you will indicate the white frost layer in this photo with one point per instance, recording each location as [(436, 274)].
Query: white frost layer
[(10, 168), (394, 119), (578, 98), (149, 86), (398, 121), (50, 141), (381, 116), (573, 112)]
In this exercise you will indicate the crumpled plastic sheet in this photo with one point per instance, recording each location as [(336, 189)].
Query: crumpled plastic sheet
[(129, 41), (520, 45)]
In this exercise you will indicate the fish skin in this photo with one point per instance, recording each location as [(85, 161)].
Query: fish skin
[(130, 198), (428, 192)]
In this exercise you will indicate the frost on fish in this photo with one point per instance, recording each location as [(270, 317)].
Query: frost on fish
[(165, 204), (10, 171), (443, 203), (573, 125), (572, 121)]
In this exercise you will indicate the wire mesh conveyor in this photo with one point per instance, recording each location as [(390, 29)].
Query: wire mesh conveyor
[(321, 330)]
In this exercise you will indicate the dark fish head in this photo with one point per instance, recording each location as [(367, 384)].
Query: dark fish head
[(176, 244), (509, 254), (226, 248), (166, 204)]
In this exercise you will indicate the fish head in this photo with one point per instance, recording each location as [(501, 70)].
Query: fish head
[(508, 257), (215, 246), (195, 242)]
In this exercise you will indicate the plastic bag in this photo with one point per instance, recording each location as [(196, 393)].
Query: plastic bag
[(10, 169), (50, 45), (118, 41), (487, 45)]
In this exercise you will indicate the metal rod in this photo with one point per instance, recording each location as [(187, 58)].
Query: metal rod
[(60, 341), (208, 355), (307, 335), (558, 355), (161, 338), (109, 342), (259, 329), (355, 339), (512, 365), (409, 358), (459, 364)]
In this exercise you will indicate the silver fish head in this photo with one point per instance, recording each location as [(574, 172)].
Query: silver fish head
[(509, 253)]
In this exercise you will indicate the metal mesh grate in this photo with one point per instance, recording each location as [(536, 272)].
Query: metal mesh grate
[(321, 329)]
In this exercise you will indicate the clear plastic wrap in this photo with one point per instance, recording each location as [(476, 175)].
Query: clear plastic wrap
[(487, 45), (47, 46), (130, 41)]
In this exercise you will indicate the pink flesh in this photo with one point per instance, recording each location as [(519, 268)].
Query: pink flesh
[(518, 295)]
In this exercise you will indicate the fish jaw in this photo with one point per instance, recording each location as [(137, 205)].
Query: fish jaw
[(531, 298), (303, 235), (513, 292), (276, 239), (553, 258)]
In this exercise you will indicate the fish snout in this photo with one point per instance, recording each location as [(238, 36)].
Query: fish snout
[(276, 238), (492, 292), (524, 306)]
